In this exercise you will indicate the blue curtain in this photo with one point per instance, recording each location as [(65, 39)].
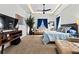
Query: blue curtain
[(39, 23), (45, 23), (57, 22)]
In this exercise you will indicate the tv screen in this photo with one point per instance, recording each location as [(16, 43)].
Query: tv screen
[(8, 22)]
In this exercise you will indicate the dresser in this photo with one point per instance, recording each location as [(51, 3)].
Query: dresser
[(12, 37)]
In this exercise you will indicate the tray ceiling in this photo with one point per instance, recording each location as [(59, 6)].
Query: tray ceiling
[(35, 7)]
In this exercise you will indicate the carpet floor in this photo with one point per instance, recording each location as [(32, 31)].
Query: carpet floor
[(31, 44)]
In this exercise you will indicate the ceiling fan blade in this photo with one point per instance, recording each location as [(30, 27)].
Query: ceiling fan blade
[(47, 10), (44, 10)]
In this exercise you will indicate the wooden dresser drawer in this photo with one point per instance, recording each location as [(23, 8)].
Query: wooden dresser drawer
[(0, 41)]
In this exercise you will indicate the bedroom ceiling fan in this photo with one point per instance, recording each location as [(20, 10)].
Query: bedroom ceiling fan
[(44, 10)]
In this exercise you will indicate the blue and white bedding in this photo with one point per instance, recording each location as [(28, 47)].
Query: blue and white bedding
[(50, 36)]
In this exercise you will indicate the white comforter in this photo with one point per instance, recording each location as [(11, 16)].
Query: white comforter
[(53, 35)]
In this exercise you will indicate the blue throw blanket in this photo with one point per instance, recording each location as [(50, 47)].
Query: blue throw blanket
[(53, 35)]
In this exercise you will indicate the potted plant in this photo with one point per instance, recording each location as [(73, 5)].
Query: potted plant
[(30, 23)]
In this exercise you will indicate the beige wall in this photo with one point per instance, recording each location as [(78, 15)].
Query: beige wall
[(70, 14)]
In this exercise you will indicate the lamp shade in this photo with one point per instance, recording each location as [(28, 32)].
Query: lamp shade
[(1, 23), (77, 22), (1, 26)]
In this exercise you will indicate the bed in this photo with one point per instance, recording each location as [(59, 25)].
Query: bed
[(51, 36)]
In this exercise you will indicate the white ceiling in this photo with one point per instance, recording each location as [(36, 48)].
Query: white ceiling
[(37, 7), (33, 8), (54, 8)]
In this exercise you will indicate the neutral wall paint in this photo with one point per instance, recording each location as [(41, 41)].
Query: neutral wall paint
[(8, 9), (12, 10), (70, 14)]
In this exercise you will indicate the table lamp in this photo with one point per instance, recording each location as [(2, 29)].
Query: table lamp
[(1, 25)]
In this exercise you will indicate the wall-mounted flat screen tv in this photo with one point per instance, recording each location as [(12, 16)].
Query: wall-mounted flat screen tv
[(8, 22)]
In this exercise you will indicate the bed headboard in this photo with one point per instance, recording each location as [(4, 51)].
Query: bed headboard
[(71, 25)]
